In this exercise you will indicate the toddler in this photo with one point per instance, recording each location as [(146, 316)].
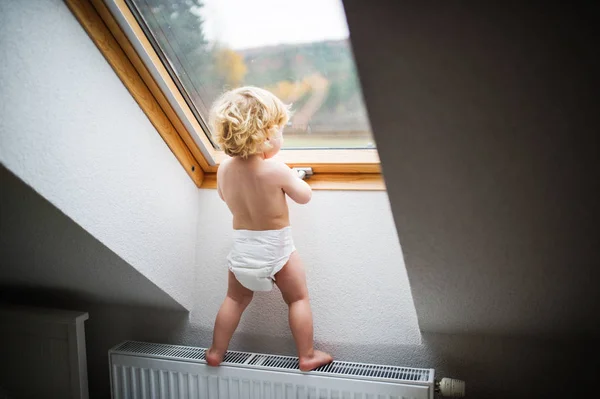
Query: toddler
[(248, 124)]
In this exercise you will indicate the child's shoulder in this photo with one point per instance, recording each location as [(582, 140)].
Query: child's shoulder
[(276, 167), (270, 169), (223, 166)]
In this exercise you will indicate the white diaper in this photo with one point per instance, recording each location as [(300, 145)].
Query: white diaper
[(257, 256)]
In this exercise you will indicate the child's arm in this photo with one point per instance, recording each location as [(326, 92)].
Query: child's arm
[(291, 183), (219, 192)]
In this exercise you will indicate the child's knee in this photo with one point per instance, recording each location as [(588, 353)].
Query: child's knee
[(295, 297), (241, 299)]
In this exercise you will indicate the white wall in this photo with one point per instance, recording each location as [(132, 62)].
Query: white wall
[(70, 129), (355, 270)]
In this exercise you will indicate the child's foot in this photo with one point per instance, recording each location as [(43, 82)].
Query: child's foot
[(213, 358), (317, 360)]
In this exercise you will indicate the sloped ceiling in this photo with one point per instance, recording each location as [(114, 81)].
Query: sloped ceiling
[(44, 251), (486, 120)]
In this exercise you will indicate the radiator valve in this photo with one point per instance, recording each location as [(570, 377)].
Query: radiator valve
[(450, 387)]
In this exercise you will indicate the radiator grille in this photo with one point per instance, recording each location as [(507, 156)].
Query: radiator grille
[(162, 350), (337, 368)]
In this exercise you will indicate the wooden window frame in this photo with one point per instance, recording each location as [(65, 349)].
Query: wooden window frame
[(332, 170)]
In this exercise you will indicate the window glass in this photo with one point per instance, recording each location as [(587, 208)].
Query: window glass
[(298, 49)]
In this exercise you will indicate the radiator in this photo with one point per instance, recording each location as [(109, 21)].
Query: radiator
[(146, 370)]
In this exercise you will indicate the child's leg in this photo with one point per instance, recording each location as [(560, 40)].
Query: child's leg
[(237, 299), (291, 280)]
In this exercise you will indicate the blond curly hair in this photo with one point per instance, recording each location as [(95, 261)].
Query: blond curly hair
[(243, 119)]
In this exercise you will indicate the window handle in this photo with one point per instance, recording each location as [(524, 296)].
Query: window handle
[(304, 173)]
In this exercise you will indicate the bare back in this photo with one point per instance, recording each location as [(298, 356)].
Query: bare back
[(255, 192)]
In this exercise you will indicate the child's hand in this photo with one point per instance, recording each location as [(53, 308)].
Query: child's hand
[(303, 173)]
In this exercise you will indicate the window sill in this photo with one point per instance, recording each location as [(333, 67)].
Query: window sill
[(323, 160), (327, 181)]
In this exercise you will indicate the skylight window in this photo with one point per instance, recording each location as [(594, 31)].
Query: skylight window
[(298, 49), (176, 56)]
